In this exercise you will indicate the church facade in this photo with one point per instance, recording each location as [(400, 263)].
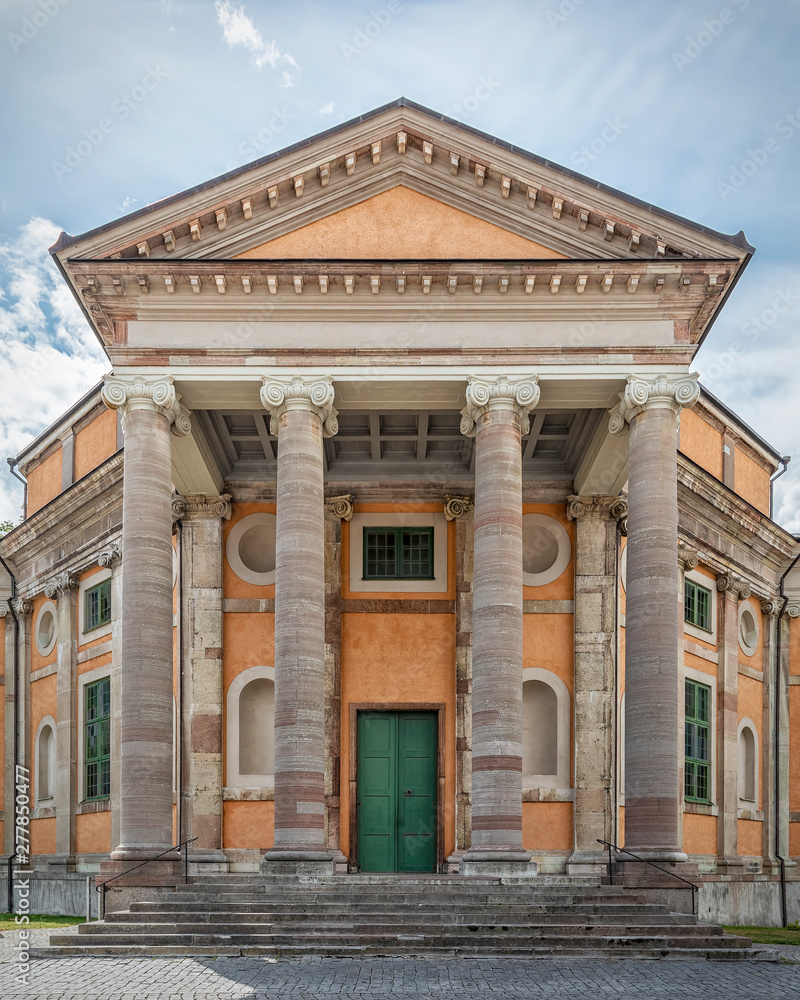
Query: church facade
[(402, 537)]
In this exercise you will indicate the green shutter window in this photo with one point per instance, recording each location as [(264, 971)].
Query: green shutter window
[(697, 605), (697, 748), (398, 553), (97, 607), (97, 739)]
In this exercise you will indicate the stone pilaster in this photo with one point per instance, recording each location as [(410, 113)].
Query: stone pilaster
[(201, 520), (150, 406), (302, 413), (596, 520), (497, 415), (766, 774), (337, 509), (9, 696), (653, 752), (64, 589), (727, 714), (23, 609), (111, 558), (460, 510)]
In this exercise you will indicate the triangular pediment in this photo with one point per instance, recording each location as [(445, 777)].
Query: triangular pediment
[(401, 223)]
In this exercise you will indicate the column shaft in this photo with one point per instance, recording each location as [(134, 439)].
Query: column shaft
[(727, 726)]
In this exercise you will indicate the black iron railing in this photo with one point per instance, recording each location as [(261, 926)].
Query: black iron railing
[(178, 847), (665, 871)]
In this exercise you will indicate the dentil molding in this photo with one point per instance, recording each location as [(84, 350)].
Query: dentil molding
[(483, 395), (140, 392), (674, 392), (279, 395)]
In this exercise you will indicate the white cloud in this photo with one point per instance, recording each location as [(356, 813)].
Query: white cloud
[(238, 29), (326, 109), (49, 356), (127, 204)]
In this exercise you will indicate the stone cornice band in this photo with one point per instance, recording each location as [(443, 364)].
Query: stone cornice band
[(139, 392), (483, 395), (279, 395), (662, 391)]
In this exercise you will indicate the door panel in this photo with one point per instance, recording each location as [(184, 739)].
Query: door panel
[(397, 791)]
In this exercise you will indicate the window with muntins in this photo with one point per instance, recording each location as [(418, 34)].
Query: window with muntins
[(697, 750), (697, 605), (97, 739), (398, 553), (97, 610)]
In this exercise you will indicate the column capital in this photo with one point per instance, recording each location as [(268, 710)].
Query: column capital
[(297, 393), (484, 394), (22, 606), (672, 392), (771, 607), (597, 506), (793, 610), (109, 556), (687, 556), (734, 583), (456, 507), (201, 505), (341, 506), (145, 392), (61, 584)]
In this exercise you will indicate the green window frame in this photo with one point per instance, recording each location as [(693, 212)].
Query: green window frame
[(697, 605), (404, 553), (97, 606), (697, 742), (97, 740)]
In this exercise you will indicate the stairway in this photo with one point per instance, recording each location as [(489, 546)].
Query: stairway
[(363, 916)]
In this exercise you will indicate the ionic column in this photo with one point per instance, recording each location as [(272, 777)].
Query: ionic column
[(595, 647), (496, 414), (653, 752), (302, 414), (64, 589), (201, 520), (150, 406)]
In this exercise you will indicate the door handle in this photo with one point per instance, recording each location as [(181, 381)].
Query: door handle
[(407, 794)]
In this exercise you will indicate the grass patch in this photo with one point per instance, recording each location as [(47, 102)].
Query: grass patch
[(768, 935), (38, 921)]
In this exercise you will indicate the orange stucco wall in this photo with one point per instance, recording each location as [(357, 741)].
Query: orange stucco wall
[(401, 223), (93, 833), (43, 835), (751, 481), (44, 482), (43, 702), (547, 826), (95, 442), (794, 748), (699, 834), (701, 442), (748, 838), (248, 824), (393, 659)]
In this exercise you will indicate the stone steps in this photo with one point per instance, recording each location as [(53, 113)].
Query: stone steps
[(225, 916)]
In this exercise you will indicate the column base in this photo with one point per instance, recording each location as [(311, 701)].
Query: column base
[(504, 862), (632, 873), (66, 862), (731, 865), (153, 873), (283, 861), (588, 863)]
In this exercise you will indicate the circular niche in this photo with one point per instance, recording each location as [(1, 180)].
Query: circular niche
[(748, 629), (251, 549), (45, 631), (546, 549)]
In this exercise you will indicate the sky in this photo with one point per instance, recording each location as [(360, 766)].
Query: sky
[(109, 105)]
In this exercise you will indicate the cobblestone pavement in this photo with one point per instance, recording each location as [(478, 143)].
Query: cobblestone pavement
[(396, 979)]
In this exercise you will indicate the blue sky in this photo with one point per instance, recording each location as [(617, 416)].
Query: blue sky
[(112, 104)]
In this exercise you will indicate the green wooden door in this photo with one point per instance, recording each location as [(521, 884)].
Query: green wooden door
[(397, 791)]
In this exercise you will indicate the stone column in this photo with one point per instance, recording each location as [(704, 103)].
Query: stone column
[(149, 406), (9, 696), (111, 558), (202, 781), (727, 713), (497, 415), (64, 589), (594, 676), (653, 752), (302, 413)]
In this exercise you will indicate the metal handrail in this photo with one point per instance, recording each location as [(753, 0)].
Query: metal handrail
[(665, 871), (102, 887)]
